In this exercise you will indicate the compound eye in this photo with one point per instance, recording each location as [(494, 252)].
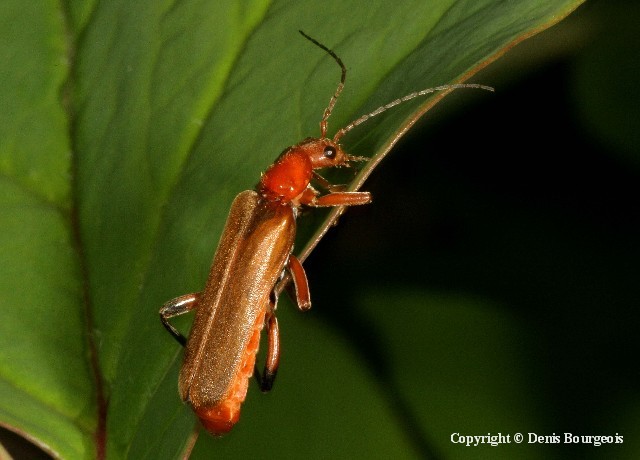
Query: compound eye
[(330, 152)]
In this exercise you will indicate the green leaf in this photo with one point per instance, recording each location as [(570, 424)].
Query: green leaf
[(170, 109), (46, 386)]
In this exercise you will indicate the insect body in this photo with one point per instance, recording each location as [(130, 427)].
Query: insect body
[(255, 247)]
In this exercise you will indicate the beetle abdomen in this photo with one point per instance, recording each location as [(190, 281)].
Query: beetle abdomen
[(220, 418), (220, 352)]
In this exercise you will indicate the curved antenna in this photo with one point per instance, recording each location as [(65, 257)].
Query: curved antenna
[(400, 100), (334, 98)]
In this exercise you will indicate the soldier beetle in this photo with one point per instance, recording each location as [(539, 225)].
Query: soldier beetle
[(255, 249)]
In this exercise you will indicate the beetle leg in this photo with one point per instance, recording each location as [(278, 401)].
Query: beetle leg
[(340, 199), (325, 184), (273, 353), (176, 307), (309, 195), (300, 283)]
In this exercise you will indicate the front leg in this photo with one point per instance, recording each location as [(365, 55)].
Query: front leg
[(341, 199), (311, 197), (176, 307), (328, 186)]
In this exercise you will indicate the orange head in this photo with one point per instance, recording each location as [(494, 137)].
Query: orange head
[(289, 176)]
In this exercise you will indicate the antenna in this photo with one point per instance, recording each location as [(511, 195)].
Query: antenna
[(406, 98), (334, 98), (379, 110)]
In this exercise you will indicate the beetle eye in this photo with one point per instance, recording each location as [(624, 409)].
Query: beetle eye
[(330, 152)]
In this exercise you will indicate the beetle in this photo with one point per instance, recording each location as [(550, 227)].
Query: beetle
[(255, 249)]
